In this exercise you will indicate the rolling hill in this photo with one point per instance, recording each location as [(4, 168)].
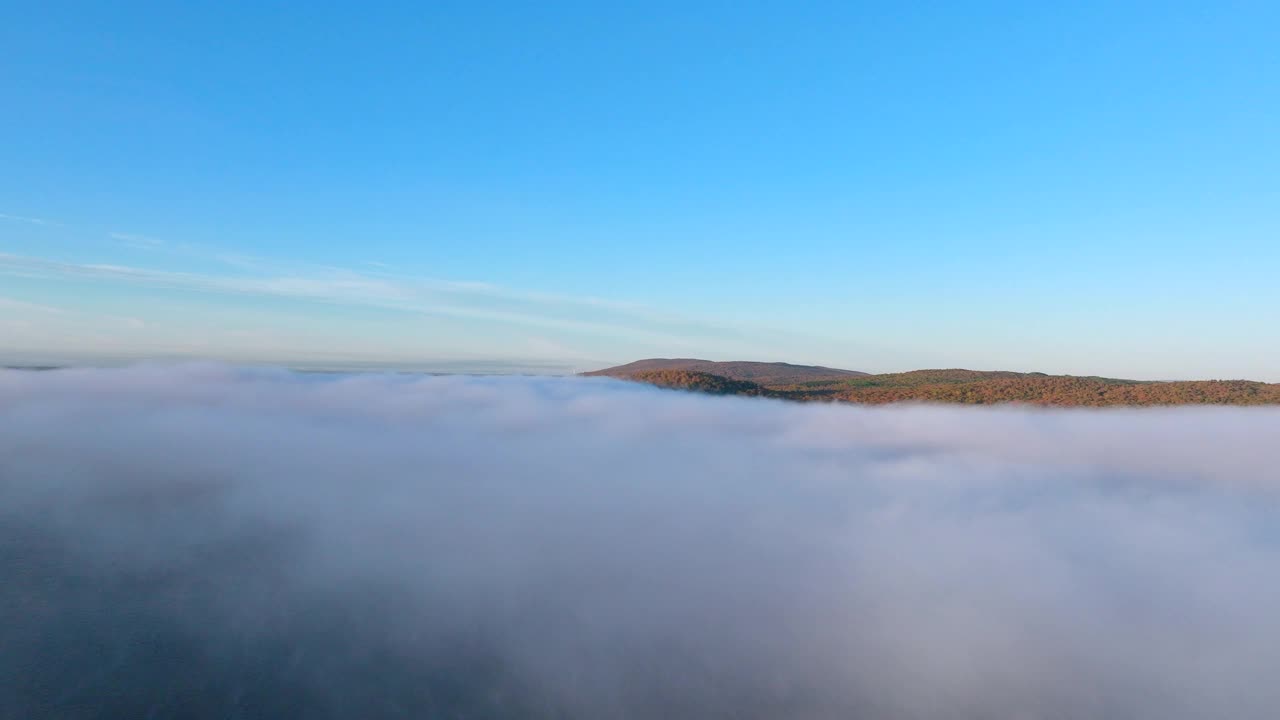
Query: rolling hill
[(760, 373), (971, 387)]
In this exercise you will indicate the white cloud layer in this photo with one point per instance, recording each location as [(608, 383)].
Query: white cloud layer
[(207, 541)]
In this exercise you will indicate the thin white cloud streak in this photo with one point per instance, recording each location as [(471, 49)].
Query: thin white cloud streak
[(381, 270), (189, 250), (137, 241), (440, 298), (388, 276), (617, 329), (11, 305), (28, 220), (34, 335), (204, 540)]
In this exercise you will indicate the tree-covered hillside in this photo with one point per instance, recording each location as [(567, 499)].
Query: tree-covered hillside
[(972, 387)]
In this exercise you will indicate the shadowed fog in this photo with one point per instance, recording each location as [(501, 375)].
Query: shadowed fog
[(202, 541)]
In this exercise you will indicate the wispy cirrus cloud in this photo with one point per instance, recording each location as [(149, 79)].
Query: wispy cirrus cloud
[(606, 330), (10, 304), (372, 268), (135, 240), (466, 300), (138, 241), (27, 219)]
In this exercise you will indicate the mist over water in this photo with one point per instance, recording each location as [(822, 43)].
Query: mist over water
[(206, 541)]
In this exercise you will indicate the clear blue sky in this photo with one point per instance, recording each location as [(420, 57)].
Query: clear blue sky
[(1089, 187)]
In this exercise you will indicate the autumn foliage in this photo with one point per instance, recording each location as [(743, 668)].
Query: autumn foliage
[(977, 388)]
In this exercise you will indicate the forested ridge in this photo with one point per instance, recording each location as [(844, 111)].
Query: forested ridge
[(969, 387)]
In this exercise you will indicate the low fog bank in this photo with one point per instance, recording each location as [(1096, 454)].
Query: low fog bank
[(204, 541)]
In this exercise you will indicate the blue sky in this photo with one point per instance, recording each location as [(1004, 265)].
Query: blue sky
[(1091, 189)]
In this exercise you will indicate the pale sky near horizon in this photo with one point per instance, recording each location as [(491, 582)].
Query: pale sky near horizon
[(1085, 188)]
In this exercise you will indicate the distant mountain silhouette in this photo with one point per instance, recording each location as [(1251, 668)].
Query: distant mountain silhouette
[(971, 387), (760, 373)]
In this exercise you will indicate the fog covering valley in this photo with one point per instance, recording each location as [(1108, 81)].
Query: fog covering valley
[(211, 541)]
